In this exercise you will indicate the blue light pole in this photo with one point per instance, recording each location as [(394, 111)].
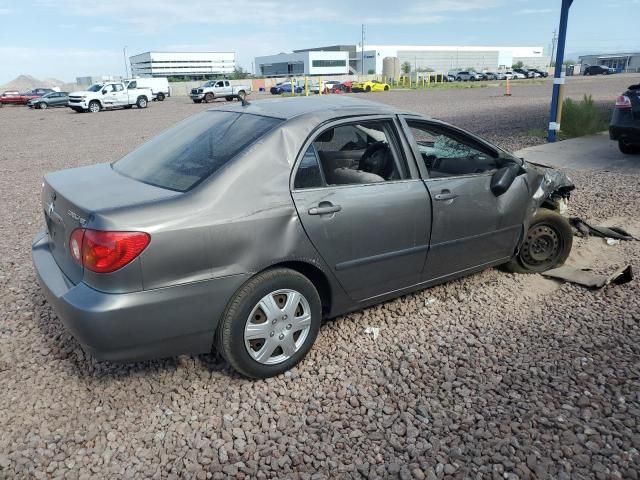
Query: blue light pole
[(558, 79)]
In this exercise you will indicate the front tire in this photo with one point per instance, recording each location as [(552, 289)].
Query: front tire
[(547, 244), (94, 106), (209, 97), (42, 105), (270, 323), (242, 95)]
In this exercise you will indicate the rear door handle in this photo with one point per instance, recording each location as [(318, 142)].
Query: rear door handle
[(324, 209), (445, 195)]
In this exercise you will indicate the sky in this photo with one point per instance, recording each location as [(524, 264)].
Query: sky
[(65, 39)]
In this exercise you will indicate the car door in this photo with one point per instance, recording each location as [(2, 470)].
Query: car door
[(363, 206), (472, 227)]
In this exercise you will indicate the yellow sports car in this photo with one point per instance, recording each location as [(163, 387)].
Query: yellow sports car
[(369, 86)]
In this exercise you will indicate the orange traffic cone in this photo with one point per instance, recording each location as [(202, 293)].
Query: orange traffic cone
[(508, 92)]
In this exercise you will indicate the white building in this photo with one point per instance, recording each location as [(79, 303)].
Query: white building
[(445, 58), (193, 64), (303, 63)]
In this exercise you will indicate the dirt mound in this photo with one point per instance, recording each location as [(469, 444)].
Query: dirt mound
[(23, 83)]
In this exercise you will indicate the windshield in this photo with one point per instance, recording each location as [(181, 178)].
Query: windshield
[(210, 83), (95, 88), (185, 155)]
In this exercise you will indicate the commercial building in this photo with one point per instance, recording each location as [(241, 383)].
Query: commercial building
[(421, 57), (623, 62), (182, 64), (308, 62)]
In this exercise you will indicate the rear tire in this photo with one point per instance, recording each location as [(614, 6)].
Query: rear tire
[(547, 244), (160, 97), (628, 148), (197, 101), (289, 329), (228, 99), (386, 88), (368, 89)]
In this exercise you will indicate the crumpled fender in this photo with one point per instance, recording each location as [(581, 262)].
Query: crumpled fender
[(551, 189)]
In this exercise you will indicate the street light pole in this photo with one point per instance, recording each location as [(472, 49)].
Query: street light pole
[(124, 56), (558, 78)]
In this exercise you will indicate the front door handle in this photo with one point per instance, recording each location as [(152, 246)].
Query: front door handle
[(445, 195), (324, 208)]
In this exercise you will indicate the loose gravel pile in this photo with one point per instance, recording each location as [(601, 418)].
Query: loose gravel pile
[(493, 376)]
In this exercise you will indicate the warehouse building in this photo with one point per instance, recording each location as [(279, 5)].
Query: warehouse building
[(421, 57), (309, 62), (181, 64), (623, 62)]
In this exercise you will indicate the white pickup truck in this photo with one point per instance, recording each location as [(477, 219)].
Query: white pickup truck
[(106, 95), (209, 91)]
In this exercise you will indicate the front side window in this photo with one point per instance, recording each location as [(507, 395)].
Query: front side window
[(356, 153), (185, 155), (133, 85), (447, 153)]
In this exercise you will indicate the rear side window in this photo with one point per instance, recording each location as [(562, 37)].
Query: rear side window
[(185, 155)]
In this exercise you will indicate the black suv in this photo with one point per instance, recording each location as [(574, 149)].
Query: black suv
[(625, 121), (597, 70)]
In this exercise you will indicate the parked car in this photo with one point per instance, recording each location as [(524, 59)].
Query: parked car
[(500, 75), (598, 70), (467, 76), (513, 75), (490, 75), (625, 121), (244, 226), (159, 86), (15, 98), (101, 96), (449, 78), (213, 89), (524, 72), (327, 86), (369, 86), (540, 73), (287, 87), (346, 86), (53, 99)]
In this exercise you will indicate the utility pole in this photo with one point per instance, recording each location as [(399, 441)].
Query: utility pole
[(362, 50), (554, 41), (124, 56)]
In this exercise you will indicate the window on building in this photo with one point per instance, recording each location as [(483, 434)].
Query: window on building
[(328, 63)]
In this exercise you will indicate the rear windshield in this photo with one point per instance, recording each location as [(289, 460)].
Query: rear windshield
[(185, 155)]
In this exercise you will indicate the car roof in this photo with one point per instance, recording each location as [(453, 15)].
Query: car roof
[(287, 108)]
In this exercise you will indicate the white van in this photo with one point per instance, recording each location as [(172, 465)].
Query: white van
[(159, 86)]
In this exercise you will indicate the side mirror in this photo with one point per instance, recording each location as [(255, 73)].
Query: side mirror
[(503, 178), (104, 92)]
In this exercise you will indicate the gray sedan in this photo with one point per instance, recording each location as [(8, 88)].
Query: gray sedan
[(53, 99), (242, 227)]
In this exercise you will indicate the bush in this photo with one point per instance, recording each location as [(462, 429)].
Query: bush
[(581, 118)]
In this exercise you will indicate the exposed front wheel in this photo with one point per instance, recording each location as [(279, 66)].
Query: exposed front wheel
[(94, 106), (547, 244), (142, 102), (270, 324), (628, 148)]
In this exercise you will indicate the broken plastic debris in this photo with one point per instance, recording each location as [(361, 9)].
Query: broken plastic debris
[(589, 279), (612, 241), (375, 331), (429, 301), (608, 232)]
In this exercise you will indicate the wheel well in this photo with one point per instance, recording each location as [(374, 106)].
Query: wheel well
[(316, 276)]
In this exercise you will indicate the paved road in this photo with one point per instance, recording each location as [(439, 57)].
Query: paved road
[(594, 152)]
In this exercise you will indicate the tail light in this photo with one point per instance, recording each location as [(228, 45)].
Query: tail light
[(623, 102), (106, 252)]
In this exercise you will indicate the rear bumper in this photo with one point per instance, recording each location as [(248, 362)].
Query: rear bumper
[(630, 133), (135, 326)]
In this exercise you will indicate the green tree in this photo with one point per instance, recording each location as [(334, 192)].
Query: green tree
[(406, 68), (239, 73), (518, 64)]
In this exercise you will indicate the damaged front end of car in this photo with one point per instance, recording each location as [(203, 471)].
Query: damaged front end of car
[(553, 189)]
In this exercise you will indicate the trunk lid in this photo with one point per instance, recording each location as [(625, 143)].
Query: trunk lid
[(77, 197)]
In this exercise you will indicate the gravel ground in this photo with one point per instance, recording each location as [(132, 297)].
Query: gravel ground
[(492, 376)]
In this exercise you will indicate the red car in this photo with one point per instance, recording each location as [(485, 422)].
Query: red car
[(16, 98)]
